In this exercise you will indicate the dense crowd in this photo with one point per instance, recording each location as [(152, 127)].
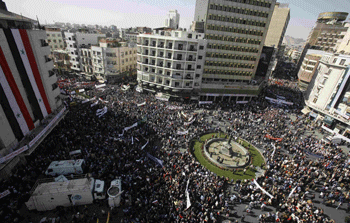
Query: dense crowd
[(155, 191)]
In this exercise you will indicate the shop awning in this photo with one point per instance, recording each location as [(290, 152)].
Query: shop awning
[(306, 110), (328, 120), (313, 114)]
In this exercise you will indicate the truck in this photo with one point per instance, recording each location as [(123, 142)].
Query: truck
[(48, 194), (65, 167)]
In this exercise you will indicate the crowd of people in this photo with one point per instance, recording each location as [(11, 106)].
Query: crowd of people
[(155, 191)]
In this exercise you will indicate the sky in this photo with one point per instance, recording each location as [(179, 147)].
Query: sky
[(152, 13)]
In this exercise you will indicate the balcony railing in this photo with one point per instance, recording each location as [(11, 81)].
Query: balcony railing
[(189, 59), (161, 46), (169, 47), (153, 44), (160, 55)]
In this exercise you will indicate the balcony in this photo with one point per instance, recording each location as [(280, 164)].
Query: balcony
[(160, 65), (153, 54), (190, 69), (160, 55), (146, 53), (145, 44), (191, 59), (169, 47), (153, 44), (179, 68), (179, 48), (192, 49), (161, 46), (169, 57), (44, 43), (145, 62)]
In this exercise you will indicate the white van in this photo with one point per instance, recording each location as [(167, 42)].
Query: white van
[(65, 167)]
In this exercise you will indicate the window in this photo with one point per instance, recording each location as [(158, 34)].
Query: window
[(315, 100), (199, 66), (200, 57), (342, 62), (54, 86), (335, 60)]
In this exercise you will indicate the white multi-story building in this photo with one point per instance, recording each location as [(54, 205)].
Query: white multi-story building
[(173, 20), (329, 89), (110, 58), (55, 38), (171, 61), (75, 41)]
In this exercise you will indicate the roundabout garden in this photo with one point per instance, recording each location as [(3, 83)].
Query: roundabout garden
[(233, 158)]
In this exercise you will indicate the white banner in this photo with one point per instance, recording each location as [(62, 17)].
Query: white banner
[(87, 100), (75, 152), (96, 103), (125, 87), (242, 102), (290, 194), (182, 132), (130, 127), (37, 137), (173, 107), (190, 122), (13, 154), (274, 150), (4, 194), (101, 112), (144, 145), (262, 189), (162, 99), (101, 85), (205, 102), (188, 202), (142, 104), (81, 90), (278, 101)]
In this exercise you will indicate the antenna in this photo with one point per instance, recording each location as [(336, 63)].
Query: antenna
[(38, 21)]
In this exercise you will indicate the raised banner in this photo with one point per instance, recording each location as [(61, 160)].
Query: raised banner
[(173, 107), (37, 137), (14, 154), (96, 103), (101, 85), (142, 104), (273, 138), (205, 102), (130, 127), (4, 194), (188, 202), (144, 145), (190, 122), (262, 189), (182, 132), (156, 160)]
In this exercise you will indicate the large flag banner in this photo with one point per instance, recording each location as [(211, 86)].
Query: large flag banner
[(101, 85)]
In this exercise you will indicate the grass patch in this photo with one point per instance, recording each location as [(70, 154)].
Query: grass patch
[(250, 174)]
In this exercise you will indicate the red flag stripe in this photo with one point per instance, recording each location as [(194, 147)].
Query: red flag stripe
[(35, 69), (13, 85)]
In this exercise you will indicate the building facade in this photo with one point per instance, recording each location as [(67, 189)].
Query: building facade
[(28, 86), (110, 60), (171, 62), (236, 32), (307, 70), (55, 38), (330, 90), (78, 40), (173, 20), (343, 45), (278, 25)]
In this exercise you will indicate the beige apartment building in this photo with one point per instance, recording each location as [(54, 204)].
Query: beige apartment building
[(55, 38), (278, 25), (110, 59), (236, 32)]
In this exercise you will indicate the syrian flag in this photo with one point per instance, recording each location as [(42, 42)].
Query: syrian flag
[(26, 52), (12, 102)]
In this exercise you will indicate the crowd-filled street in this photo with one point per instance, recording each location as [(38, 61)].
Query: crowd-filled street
[(308, 180)]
